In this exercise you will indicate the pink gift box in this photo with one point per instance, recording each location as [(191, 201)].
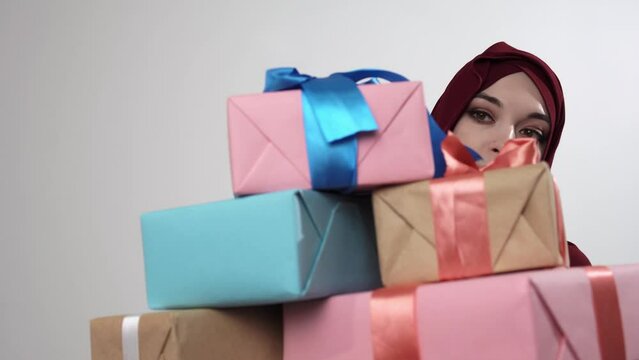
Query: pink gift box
[(268, 146), (546, 314)]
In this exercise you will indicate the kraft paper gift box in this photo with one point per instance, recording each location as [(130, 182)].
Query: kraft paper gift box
[(499, 220), (535, 315), (268, 148), (262, 249), (196, 334)]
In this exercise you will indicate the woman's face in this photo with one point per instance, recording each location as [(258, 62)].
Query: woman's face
[(511, 107)]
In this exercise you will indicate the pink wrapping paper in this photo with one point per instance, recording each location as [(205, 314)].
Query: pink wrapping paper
[(268, 147), (546, 314)]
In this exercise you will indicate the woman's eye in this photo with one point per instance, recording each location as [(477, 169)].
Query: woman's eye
[(533, 133), (480, 116)]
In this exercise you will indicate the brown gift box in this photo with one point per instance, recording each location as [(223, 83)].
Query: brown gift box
[(195, 334), (522, 225)]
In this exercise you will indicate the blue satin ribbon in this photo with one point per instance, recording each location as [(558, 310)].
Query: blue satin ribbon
[(335, 111)]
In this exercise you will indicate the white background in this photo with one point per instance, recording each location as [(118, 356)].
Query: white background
[(110, 109)]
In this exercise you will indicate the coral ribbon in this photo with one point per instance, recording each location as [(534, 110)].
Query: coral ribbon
[(394, 324), (516, 152), (607, 313), (461, 234), (460, 208)]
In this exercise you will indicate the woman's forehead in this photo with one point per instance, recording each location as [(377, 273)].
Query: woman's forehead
[(514, 92)]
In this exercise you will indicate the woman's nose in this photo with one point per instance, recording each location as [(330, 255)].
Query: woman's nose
[(506, 134)]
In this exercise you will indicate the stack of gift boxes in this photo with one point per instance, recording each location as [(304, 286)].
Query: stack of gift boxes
[(343, 222)]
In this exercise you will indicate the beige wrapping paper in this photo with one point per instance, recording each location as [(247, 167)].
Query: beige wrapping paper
[(522, 225), (195, 334)]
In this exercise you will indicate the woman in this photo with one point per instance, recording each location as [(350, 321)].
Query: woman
[(501, 94)]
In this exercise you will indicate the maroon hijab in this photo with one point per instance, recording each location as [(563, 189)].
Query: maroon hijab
[(498, 61)]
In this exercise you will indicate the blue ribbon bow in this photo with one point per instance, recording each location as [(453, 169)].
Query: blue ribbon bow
[(335, 111)]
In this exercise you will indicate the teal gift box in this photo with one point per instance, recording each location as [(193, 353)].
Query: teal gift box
[(262, 249)]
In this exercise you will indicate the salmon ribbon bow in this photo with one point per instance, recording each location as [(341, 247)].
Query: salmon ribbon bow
[(516, 152), (460, 207)]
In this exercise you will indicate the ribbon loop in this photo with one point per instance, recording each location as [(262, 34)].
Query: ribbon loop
[(458, 159), (361, 74), (284, 78), (515, 152)]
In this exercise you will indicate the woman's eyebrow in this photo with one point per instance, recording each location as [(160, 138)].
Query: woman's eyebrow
[(494, 100), (490, 99), (539, 116)]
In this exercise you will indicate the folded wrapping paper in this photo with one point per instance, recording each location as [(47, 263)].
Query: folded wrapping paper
[(262, 249), (197, 334), (268, 146), (469, 225), (535, 315)]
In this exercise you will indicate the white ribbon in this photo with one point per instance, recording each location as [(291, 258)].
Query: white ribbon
[(130, 350)]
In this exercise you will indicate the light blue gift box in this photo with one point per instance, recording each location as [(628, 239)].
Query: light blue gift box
[(270, 248)]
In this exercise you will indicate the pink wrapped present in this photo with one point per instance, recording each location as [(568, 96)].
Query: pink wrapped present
[(576, 314), (268, 146)]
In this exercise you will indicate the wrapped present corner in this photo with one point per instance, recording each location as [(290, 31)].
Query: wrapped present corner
[(330, 135), (559, 314), (261, 249), (472, 222), (195, 334)]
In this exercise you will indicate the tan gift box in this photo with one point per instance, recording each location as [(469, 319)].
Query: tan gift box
[(521, 222), (194, 334)]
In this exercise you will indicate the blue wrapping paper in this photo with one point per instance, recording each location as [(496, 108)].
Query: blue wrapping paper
[(263, 249)]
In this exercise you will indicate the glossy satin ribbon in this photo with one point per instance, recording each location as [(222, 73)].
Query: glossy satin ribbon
[(462, 237), (335, 111), (394, 323), (130, 347), (607, 313), (460, 209)]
